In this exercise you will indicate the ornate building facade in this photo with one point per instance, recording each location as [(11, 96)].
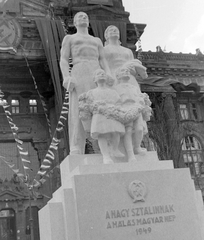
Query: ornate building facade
[(177, 124), (31, 83)]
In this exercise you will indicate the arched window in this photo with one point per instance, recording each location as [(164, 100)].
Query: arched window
[(193, 155)]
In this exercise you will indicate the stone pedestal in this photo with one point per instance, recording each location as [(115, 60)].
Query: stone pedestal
[(144, 200)]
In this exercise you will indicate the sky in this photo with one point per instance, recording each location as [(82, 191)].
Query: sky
[(174, 25)]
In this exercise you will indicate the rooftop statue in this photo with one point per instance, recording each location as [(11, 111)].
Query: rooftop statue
[(87, 56)]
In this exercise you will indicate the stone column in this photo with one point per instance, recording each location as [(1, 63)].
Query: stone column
[(174, 133)]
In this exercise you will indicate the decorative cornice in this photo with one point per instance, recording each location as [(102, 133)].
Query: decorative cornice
[(163, 56), (8, 195), (97, 7)]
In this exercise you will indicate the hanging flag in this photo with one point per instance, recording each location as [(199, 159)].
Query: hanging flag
[(23, 153)]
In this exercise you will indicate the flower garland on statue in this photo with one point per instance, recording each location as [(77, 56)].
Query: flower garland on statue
[(123, 114)]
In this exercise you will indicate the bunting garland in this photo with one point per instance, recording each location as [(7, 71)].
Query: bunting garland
[(63, 25), (21, 176), (41, 97), (48, 164), (14, 129)]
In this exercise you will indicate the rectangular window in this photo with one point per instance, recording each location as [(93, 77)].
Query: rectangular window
[(188, 111), (193, 155), (15, 106), (33, 106), (194, 111), (184, 111)]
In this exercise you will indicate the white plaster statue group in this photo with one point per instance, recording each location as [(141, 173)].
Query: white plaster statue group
[(104, 96)]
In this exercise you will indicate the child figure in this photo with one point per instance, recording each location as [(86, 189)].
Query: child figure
[(104, 127), (134, 102)]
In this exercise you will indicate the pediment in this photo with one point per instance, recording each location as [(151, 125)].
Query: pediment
[(8, 195)]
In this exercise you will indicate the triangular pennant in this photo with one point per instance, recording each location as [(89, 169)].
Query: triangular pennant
[(60, 123), (19, 141), (36, 183), (20, 174), (24, 153), (9, 118), (42, 180), (26, 168), (7, 112), (26, 161), (11, 165), (64, 112), (41, 173), (59, 129), (56, 140), (47, 161), (19, 147), (6, 106), (63, 117), (44, 166), (50, 156), (53, 146), (50, 151), (55, 143)]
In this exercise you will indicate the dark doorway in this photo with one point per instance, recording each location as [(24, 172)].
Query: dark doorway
[(7, 225)]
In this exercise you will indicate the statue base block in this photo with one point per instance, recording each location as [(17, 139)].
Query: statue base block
[(144, 200)]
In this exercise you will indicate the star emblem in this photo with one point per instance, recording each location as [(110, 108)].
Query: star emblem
[(10, 33)]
